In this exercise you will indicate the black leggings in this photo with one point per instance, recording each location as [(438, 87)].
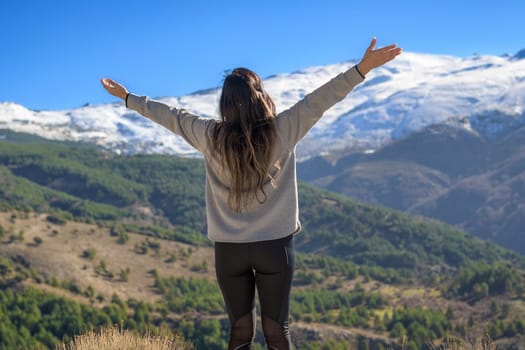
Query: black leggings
[(269, 265)]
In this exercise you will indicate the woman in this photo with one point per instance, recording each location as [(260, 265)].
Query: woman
[(251, 187)]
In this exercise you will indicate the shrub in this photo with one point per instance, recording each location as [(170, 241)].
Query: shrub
[(123, 237), (89, 254), (202, 267), (171, 258), (124, 274), (56, 220)]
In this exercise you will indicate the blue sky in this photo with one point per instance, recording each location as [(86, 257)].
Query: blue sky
[(53, 53)]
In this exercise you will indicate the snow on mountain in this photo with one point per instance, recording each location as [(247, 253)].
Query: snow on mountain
[(485, 94)]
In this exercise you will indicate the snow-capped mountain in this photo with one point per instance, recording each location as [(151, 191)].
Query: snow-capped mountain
[(485, 94)]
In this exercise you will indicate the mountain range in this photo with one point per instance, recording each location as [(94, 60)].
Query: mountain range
[(451, 174), (485, 94)]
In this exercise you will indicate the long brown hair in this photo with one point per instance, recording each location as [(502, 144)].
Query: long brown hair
[(243, 143)]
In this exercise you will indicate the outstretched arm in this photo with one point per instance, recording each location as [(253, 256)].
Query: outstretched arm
[(295, 122), (192, 128)]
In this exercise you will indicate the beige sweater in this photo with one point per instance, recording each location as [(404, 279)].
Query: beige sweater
[(278, 216)]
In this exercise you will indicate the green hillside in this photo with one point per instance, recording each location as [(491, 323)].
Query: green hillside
[(384, 275), (89, 185)]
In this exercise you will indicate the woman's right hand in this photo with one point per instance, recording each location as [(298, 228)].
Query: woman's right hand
[(114, 88), (375, 58)]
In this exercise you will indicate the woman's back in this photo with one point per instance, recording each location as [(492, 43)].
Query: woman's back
[(278, 215)]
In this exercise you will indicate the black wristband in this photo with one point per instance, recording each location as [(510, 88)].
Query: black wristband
[(126, 100), (358, 71)]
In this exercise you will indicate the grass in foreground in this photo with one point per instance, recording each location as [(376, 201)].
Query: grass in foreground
[(115, 338)]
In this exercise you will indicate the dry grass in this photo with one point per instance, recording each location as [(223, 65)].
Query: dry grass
[(114, 338), (60, 255)]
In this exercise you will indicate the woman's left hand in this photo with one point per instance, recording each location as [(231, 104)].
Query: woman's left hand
[(114, 88), (374, 58)]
